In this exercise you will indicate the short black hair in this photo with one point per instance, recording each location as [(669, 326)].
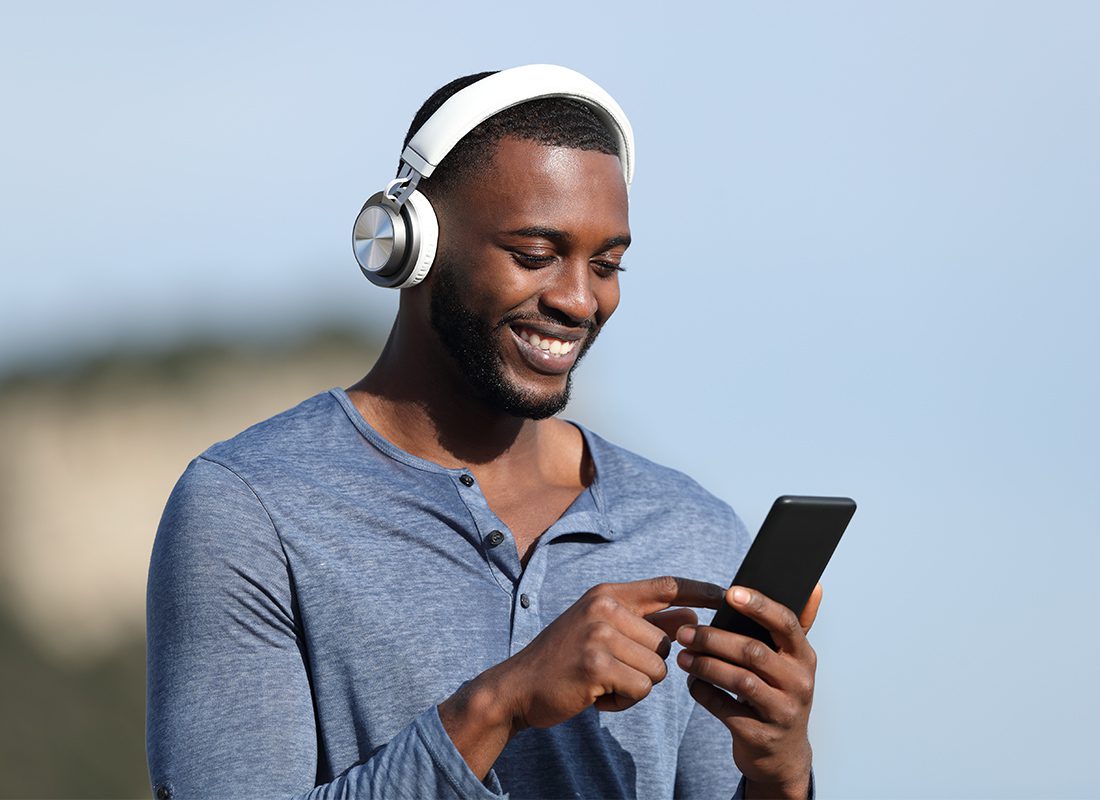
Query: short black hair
[(555, 121)]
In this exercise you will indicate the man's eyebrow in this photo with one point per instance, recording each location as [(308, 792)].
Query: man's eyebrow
[(555, 235)]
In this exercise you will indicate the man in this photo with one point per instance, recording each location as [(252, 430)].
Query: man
[(429, 586)]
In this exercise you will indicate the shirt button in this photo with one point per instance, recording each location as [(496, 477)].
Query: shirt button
[(163, 792), (525, 601), (495, 538), (466, 479)]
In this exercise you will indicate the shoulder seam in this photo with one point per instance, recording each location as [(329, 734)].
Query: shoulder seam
[(260, 500)]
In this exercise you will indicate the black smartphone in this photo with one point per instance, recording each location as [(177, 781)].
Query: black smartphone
[(787, 557)]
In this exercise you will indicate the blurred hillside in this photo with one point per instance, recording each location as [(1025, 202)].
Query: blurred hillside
[(91, 452)]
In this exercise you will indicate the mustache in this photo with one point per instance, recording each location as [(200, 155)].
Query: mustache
[(562, 321)]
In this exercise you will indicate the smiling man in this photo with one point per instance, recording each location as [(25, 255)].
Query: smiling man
[(427, 585)]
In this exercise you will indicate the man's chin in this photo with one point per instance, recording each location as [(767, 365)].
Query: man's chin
[(520, 401)]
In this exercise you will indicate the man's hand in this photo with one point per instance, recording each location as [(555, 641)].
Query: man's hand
[(608, 649), (774, 690)]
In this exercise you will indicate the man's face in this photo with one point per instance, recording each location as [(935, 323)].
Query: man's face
[(527, 271)]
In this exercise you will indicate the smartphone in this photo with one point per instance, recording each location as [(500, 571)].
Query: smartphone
[(787, 557)]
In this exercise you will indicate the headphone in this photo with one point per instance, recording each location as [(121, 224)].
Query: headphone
[(394, 237)]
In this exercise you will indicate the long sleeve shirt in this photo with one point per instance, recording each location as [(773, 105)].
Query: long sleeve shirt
[(315, 592)]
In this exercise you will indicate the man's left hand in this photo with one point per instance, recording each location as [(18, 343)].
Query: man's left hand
[(774, 689)]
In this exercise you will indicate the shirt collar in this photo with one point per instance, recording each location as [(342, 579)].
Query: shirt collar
[(587, 514)]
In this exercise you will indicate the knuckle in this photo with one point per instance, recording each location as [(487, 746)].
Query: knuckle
[(703, 667), (600, 632), (747, 685), (599, 590), (601, 605), (756, 653), (666, 586), (790, 622), (594, 661), (804, 689)]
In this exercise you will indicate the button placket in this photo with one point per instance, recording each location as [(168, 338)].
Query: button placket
[(502, 562), (526, 624)]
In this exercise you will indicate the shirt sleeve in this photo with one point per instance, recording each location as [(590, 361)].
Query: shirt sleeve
[(229, 707)]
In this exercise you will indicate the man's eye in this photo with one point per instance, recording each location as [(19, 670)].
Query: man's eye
[(609, 267), (531, 261)]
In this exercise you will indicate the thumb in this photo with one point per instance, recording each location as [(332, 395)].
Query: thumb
[(809, 613)]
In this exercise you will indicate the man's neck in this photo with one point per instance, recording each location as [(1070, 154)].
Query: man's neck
[(428, 410)]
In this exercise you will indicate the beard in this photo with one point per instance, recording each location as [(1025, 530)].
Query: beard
[(473, 342)]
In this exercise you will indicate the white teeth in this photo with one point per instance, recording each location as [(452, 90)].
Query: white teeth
[(553, 346)]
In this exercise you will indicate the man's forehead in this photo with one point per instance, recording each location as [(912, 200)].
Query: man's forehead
[(512, 152), (526, 179)]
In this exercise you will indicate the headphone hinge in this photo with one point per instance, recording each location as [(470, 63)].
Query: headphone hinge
[(405, 184)]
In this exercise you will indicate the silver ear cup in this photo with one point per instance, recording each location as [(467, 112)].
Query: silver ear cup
[(383, 239)]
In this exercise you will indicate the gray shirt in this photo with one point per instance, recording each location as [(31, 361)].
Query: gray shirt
[(315, 592)]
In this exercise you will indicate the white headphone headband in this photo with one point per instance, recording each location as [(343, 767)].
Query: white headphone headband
[(468, 108)]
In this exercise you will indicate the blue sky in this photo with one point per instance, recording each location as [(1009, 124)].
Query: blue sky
[(865, 263)]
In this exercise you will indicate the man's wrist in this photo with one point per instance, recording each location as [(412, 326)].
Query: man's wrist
[(480, 720), (492, 699), (791, 790)]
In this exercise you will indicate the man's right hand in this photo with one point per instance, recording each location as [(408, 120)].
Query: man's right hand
[(608, 649)]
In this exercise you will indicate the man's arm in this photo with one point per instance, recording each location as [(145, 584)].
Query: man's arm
[(230, 711)]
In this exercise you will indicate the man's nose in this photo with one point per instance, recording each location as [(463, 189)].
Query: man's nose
[(570, 291)]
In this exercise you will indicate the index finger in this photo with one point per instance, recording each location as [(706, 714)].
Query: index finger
[(654, 594)]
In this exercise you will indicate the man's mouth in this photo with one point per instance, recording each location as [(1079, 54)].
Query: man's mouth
[(557, 347), (546, 352)]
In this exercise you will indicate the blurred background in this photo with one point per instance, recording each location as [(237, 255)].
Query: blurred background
[(865, 263)]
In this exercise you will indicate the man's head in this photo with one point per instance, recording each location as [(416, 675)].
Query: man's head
[(533, 223)]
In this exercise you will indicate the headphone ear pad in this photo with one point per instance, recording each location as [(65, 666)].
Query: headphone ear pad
[(420, 208)]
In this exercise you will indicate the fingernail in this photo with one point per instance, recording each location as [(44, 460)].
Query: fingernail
[(740, 596), (686, 634), (665, 647), (685, 658)]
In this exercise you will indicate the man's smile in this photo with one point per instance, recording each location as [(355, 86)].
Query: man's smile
[(548, 352)]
